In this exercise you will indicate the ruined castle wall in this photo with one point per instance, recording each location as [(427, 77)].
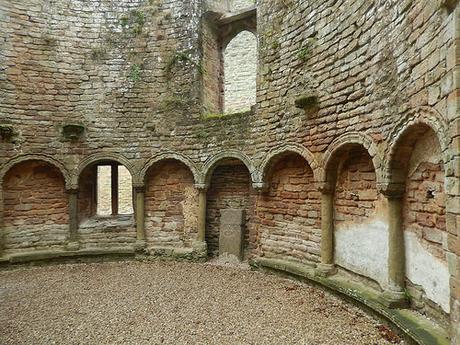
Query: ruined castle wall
[(131, 72), (171, 205), (35, 208)]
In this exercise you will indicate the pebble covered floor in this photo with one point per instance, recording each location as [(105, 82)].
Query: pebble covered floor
[(172, 303)]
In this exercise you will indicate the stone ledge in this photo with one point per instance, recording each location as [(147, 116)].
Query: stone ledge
[(416, 328), (57, 254)]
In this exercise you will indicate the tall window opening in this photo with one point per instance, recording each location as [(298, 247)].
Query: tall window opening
[(240, 73), (114, 190)]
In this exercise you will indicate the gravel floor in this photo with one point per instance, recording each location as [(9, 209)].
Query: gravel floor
[(171, 303)]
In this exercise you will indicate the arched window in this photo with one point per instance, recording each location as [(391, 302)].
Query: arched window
[(240, 72)]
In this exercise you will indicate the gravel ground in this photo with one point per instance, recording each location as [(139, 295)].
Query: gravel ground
[(172, 303)]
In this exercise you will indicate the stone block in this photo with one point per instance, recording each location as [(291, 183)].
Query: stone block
[(231, 233)]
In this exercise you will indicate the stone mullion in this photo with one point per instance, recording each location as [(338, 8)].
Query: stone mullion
[(114, 188)]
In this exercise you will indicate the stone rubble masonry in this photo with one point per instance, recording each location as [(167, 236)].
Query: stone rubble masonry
[(133, 74)]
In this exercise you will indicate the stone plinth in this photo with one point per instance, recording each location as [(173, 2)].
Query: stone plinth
[(231, 233)]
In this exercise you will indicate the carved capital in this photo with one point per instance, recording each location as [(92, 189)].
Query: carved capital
[(392, 190), (326, 188), (71, 189), (139, 188), (260, 186), (202, 186)]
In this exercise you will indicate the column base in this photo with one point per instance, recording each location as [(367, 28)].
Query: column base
[(394, 299), (325, 270), (140, 245), (201, 249), (72, 246)]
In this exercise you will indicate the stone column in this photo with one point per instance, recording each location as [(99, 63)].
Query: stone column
[(114, 185), (394, 296), (140, 217), (73, 219), (327, 266), (200, 245)]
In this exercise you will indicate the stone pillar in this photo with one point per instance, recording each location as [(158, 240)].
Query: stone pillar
[(202, 204), (73, 219), (2, 234), (114, 184), (327, 266), (140, 217), (394, 296)]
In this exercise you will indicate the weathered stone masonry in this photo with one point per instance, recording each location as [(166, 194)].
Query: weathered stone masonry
[(352, 149)]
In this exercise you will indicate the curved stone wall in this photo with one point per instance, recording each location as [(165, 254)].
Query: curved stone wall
[(129, 75)]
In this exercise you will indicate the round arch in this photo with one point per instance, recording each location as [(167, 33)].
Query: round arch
[(197, 175), (98, 157), (37, 157), (213, 161), (423, 117), (342, 143), (276, 153)]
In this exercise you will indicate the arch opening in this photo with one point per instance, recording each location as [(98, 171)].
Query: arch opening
[(230, 189), (360, 224), (171, 205), (105, 205), (36, 213), (288, 213), (417, 163)]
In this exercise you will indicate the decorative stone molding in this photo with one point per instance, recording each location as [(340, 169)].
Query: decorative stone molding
[(213, 161), (420, 116), (287, 149), (39, 157), (326, 188), (201, 186), (108, 156), (353, 138), (171, 155)]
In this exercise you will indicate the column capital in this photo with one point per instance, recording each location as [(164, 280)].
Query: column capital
[(326, 188), (202, 186), (392, 190), (260, 186), (140, 188), (72, 189)]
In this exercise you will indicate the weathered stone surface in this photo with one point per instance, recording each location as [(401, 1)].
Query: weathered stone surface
[(231, 233)]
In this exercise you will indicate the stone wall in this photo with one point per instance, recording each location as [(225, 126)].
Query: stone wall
[(171, 205), (35, 208), (133, 73), (288, 214), (361, 230)]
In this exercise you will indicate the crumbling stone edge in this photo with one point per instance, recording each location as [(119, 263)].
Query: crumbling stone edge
[(414, 328), (195, 254)]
